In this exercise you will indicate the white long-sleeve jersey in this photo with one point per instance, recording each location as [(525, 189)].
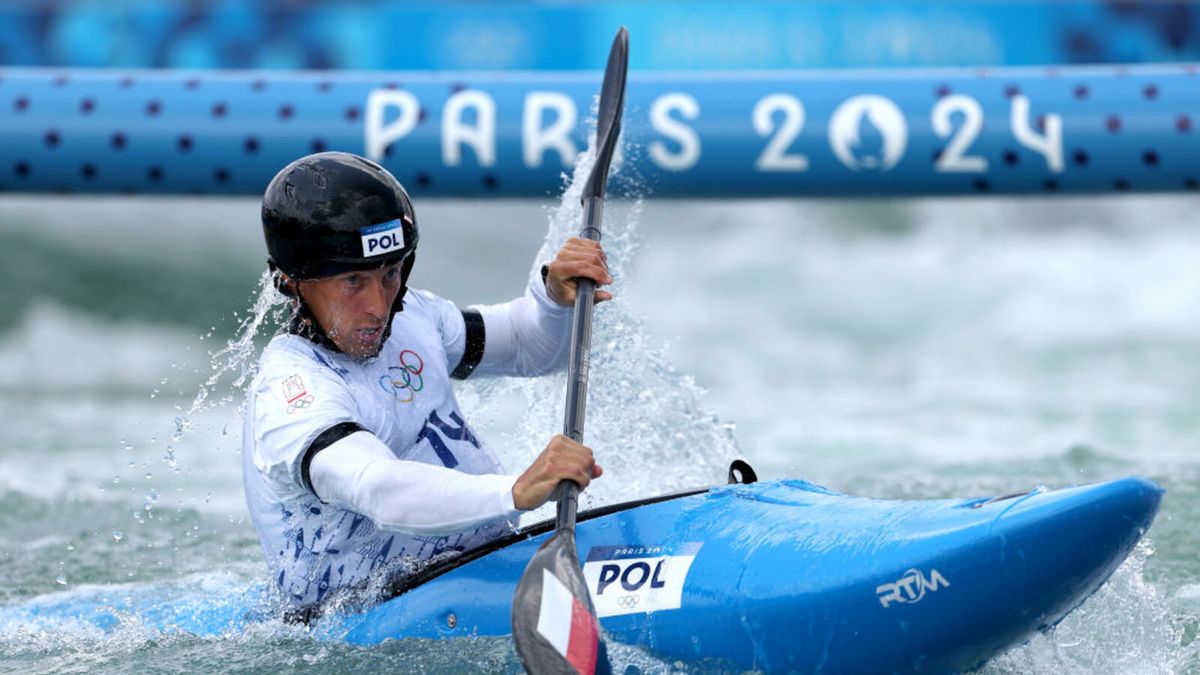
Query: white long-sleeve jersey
[(352, 464)]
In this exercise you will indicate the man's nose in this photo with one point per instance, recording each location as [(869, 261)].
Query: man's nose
[(378, 300)]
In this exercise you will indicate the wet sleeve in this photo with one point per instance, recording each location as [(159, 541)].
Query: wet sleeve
[(360, 473), (295, 403), (528, 336)]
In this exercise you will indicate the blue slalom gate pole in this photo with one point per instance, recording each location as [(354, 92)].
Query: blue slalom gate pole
[(726, 134)]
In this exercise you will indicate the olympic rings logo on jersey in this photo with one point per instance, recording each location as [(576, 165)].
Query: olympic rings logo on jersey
[(405, 380), (628, 601), (300, 404), (295, 394)]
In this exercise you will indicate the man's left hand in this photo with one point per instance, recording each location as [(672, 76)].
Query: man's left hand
[(577, 258)]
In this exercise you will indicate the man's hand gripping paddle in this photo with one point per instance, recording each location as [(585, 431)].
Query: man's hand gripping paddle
[(553, 621)]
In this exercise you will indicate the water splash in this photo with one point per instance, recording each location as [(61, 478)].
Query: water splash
[(235, 365), (644, 418), (1126, 627), (231, 368)]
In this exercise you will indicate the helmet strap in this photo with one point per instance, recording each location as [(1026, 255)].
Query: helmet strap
[(304, 324)]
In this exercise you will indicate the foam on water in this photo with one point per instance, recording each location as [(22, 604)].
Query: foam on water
[(942, 340), (106, 396), (1126, 627), (48, 353), (898, 349), (98, 626)]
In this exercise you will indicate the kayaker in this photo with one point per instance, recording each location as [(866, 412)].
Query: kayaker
[(356, 453)]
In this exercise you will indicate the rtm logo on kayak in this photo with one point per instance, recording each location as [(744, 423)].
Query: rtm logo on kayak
[(910, 588), (636, 578)]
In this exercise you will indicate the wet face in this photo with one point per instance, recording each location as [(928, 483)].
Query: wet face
[(353, 307)]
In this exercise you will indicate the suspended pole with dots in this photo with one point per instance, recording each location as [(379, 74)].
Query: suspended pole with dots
[(759, 134)]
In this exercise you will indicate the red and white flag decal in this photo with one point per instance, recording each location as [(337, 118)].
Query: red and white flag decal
[(567, 625)]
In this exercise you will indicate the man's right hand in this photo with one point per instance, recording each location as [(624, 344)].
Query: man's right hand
[(563, 459)]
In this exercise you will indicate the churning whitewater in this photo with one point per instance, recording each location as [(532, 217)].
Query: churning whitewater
[(900, 349)]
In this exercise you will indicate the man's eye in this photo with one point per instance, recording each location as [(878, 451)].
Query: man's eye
[(392, 274), (353, 280)]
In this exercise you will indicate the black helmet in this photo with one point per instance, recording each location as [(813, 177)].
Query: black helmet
[(335, 212)]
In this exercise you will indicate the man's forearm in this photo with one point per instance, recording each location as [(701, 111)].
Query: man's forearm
[(359, 473)]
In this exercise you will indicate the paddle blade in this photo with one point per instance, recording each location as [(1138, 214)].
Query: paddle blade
[(554, 624), (608, 121)]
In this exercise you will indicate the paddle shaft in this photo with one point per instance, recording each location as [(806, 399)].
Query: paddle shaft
[(540, 611), (577, 369)]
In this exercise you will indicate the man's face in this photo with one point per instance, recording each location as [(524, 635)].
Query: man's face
[(353, 308)]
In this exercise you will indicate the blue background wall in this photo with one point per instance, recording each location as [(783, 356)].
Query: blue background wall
[(671, 34)]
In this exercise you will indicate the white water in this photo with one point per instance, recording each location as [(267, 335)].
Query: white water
[(900, 349)]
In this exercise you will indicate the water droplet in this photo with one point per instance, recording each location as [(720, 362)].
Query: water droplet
[(61, 580), (118, 535)]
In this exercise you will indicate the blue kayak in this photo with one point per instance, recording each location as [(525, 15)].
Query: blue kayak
[(787, 576), (775, 576)]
